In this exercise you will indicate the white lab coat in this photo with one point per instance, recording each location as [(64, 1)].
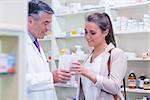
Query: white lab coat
[(38, 76)]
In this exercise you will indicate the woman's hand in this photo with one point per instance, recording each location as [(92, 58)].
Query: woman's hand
[(78, 69), (81, 70)]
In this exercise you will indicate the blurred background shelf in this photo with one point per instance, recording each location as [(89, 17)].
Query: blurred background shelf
[(13, 21), (132, 32), (66, 85), (81, 11), (138, 59), (136, 90), (132, 5)]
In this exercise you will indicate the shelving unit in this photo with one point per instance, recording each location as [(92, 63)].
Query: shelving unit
[(12, 84), (9, 80), (133, 40), (12, 41), (70, 21)]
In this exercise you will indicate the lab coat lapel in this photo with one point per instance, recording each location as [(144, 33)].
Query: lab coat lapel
[(29, 41), (42, 54)]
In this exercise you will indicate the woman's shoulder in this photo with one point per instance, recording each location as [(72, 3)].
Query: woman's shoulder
[(118, 52), (115, 51)]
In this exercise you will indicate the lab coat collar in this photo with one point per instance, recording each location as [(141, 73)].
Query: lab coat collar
[(31, 36), (29, 41)]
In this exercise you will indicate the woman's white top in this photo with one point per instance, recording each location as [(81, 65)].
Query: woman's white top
[(90, 91)]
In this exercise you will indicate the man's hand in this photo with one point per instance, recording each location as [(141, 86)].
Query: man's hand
[(61, 75)]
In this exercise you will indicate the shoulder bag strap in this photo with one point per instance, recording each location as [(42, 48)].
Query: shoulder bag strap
[(124, 88), (81, 93)]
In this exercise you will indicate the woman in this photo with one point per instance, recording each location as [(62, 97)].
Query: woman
[(96, 81)]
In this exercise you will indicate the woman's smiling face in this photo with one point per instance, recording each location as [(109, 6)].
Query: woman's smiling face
[(93, 34)]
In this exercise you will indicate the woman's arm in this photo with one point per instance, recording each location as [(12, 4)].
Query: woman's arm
[(117, 73)]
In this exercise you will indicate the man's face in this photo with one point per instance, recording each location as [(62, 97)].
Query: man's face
[(38, 27)]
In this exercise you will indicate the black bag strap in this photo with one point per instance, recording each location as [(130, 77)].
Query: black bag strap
[(108, 63), (124, 88), (81, 95)]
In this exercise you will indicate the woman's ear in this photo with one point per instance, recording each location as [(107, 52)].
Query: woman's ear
[(106, 32)]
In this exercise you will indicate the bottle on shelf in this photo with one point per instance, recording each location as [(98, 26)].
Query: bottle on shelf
[(132, 80), (74, 98), (141, 81), (146, 85)]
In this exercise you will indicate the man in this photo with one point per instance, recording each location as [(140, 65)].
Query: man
[(39, 79)]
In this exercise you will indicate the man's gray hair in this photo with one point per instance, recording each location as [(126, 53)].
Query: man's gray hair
[(36, 6)]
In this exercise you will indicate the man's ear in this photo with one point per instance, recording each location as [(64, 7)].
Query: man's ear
[(30, 20)]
